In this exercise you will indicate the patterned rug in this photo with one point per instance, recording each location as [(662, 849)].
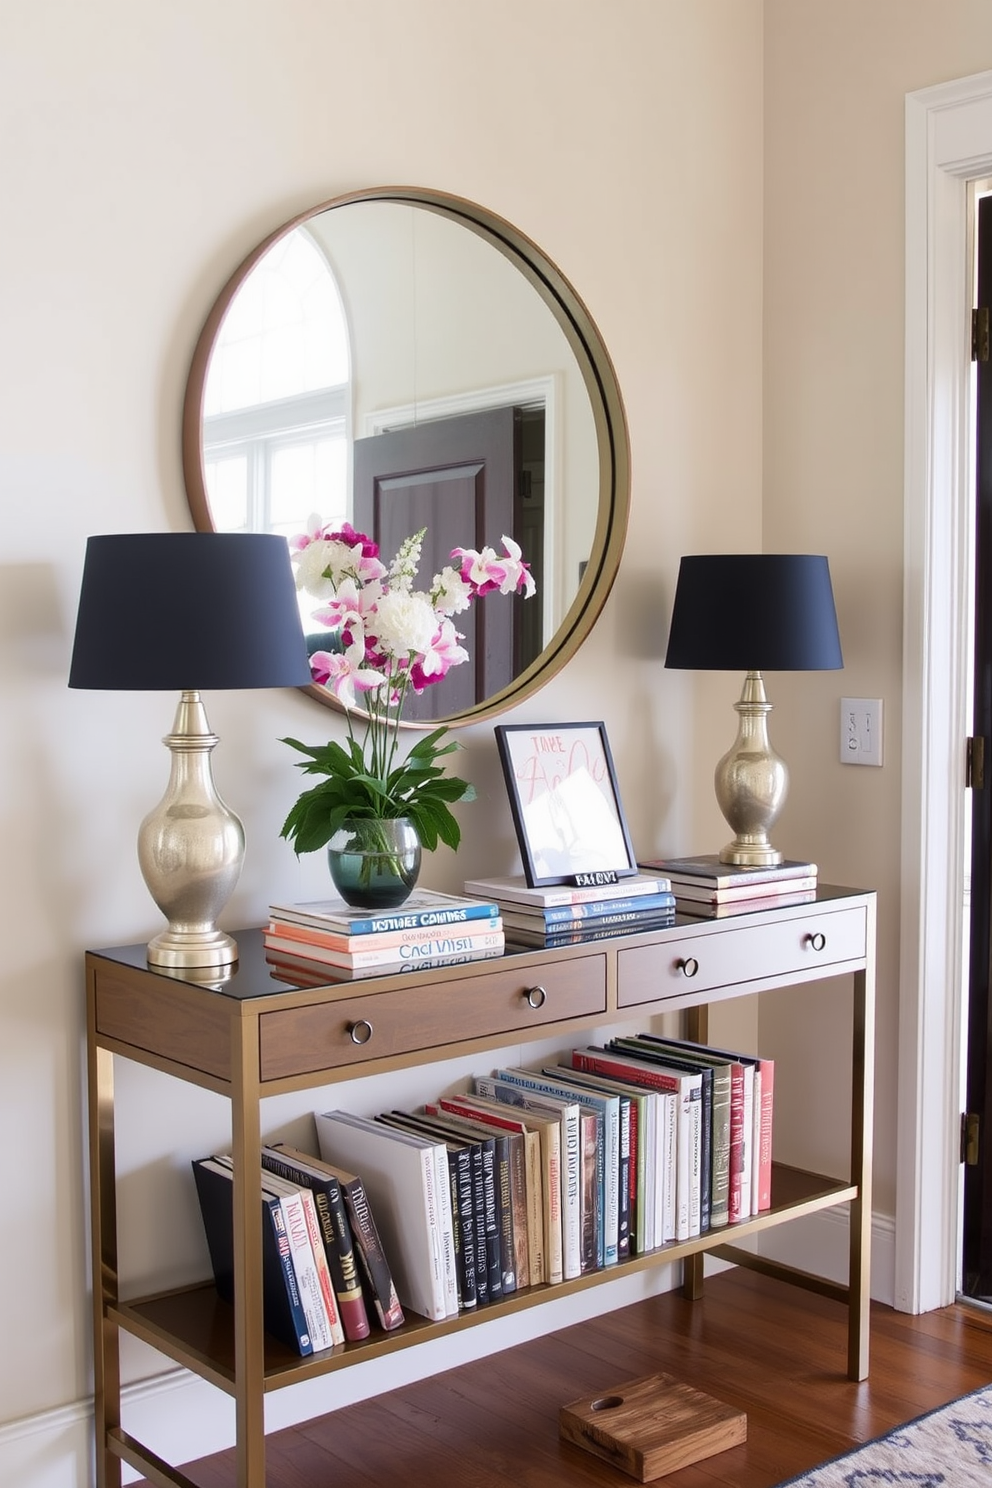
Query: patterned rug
[(950, 1446)]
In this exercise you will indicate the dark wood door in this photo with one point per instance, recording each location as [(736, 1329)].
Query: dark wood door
[(977, 1238), (461, 479)]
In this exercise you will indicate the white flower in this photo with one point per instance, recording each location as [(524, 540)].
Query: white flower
[(450, 592), (313, 565), (404, 622)]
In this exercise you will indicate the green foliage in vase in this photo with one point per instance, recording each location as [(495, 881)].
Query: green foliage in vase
[(417, 788)]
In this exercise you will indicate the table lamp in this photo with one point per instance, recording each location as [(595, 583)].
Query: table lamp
[(753, 612), (186, 611)]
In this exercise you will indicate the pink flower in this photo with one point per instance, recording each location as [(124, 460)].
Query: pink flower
[(443, 653), (486, 570), (343, 672)]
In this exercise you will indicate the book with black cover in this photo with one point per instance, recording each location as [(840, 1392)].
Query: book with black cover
[(500, 1273), (310, 1172), (282, 1306), (377, 1277), (706, 868)]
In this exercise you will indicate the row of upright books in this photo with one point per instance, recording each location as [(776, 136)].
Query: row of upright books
[(330, 939), (561, 915), (530, 1177), (708, 889)]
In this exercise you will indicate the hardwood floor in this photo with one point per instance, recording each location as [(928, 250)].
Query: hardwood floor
[(771, 1349)]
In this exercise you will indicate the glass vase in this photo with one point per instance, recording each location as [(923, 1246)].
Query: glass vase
[(374, 861)]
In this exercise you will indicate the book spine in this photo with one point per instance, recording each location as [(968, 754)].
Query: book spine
[(735, 1199), (641, 904), (490, 1190), (305, 1266), (460, 1166), (415, 919), (341, 1259), (518, 1208), (479, 1220), (590, 1193), (273, 1208), (438, 946), (315, 1232), (535, 1209), (552, 898), (710, 874), (767, 1067), (623, 1178), (504, 1213), (371, 1254), (669, 1112), (445, 1286), (747, 1141), (767, 889), (309, 935)]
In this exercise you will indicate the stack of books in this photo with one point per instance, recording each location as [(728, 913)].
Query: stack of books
[(708, 889), (560, 915), (321, 1252), (326, 939)]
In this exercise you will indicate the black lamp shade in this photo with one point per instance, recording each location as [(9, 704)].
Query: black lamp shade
[(754, 612), (184, 611)]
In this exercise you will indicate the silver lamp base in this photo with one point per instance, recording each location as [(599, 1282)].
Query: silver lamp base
[(751, 782), (191, 848)]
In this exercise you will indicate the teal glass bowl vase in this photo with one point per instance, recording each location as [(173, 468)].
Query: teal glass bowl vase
[(374, 861)]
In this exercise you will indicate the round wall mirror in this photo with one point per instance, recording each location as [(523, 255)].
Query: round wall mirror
[(401, 359)]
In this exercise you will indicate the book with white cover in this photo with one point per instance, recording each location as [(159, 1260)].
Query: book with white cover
[(513, 889), (400, 1177)]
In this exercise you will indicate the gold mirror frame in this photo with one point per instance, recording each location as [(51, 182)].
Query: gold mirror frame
[(601, 384)]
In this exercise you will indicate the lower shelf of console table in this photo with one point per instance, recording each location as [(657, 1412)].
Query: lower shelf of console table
[(195, 1327)]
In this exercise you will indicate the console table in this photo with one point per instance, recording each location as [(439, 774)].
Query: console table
[(253, 1036)]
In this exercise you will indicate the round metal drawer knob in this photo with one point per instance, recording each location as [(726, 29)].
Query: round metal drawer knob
[(536, 997), (360, 1032), (688, 966), (818, 941)]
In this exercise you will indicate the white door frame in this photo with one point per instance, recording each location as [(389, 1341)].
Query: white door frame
[(948, 144)]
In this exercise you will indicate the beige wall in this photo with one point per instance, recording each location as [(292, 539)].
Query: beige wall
[(148, 147), (834, 94)]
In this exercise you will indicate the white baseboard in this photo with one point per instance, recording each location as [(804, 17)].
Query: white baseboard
[(182, 1418), (819, 1243)]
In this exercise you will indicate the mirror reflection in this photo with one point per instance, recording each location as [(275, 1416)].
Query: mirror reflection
[(389, 364)]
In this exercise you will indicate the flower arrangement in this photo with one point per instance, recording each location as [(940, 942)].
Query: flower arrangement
[(390, 639)]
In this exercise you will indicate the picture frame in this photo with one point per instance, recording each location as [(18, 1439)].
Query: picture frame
[(565, 803)]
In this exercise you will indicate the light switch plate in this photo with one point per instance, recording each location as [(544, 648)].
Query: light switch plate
[(861, 731)]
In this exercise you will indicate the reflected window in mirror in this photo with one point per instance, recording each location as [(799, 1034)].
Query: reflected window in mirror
[(277, 397)]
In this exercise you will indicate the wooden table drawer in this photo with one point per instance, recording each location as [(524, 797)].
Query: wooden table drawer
[(419, 1018), (703, 960)]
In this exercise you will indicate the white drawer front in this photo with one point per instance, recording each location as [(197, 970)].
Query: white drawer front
[(733, 955)]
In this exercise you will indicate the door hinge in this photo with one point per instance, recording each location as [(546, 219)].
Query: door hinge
[(980, 334), (970, 1124), (974, 767)]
